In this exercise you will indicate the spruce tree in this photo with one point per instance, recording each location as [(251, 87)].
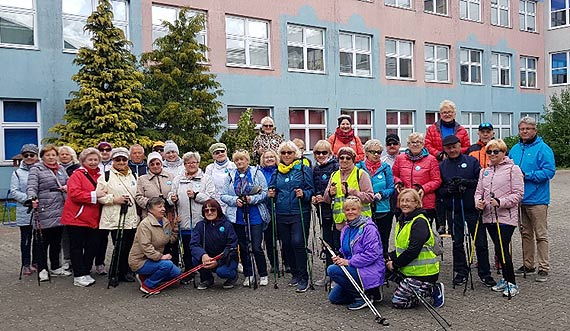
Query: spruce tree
[(554, 129), (108, 105), (243, 136), (180, 94)]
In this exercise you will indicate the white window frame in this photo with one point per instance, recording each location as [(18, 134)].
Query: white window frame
[(470, 64), (536, 116), (525, 14), (247, 39), (234, 126), (499, 126), (470, 125), (17, 125), (399, 126), (354, 51), (309, 126), (24, 11), (436, 117), (397, 56), (158, 28), (353, 113), (566, 9), (525, 70), (496, 9), (435, 60), (434, 11), (120, 24), (305, 46), (469, 13), (400, 4), (497, 67), (567, 68)]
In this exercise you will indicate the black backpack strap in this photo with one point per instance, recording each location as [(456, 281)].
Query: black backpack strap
[(107, 174), (90, 179)]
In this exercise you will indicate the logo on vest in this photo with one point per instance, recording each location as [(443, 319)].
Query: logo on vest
[(418, 168)]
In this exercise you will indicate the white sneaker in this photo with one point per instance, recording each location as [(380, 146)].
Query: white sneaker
[(240, 268), (66, 265), (247, 281), (90, 279), (44, 276), (263, 280), (511, 289), (60, 272), (81, 281)]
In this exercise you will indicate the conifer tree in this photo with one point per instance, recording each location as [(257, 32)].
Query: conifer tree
[(243, 136), (554, 129), (108, 105), (180, 94)]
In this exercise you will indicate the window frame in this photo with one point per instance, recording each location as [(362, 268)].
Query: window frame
[(354, 51), (436, 117), (18, 125), (470, 64), (526, 70), (397, 56), (566, 9), (353, 113), (499, 67), (499, 126), (469, 15), (307, 126), (304, 46), (498, 8), (435, 61), (398, 5), (434, 7), (524, 12), (399, 126), (247, 39), (232, 126), (471, 127), (23, 11), (567, 68)]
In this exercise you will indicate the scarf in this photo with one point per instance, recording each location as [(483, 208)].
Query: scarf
[(53, 167), (284, 169), (448, 124), (344, 137), (372, 166), (67, 165), (326, 161), (92, 172), (361, 220), (222, 163), (418, 157), (124, 171), (173, 164)]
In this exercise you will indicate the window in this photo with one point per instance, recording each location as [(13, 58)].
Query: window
[(502, 124), (535, 116), (399, 58), (247, 42), (305, 48), (431, 117), (399, 3), (307, 124), (75, 14), (355, 51), (235, 112), (436, 6), (470, 122), (170, 14), (559, 13), (501, 69), (363, 123), (528, 71), (559, 67), (436, 63), (527, 15), (17, 22), (470, 10), (470, 61), (400, 122), (500, 13), (20, 124)]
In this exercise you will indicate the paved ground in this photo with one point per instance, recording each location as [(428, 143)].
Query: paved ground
[(61, 306)]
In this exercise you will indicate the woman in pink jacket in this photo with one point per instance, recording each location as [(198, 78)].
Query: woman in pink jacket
[(498, 194), (417, 169)]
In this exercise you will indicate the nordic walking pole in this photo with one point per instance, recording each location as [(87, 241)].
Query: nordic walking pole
[(40, 238), (501, 242), (521, 232), (479, 220), (467, 244), (275, 266), (322, 254), (378, 318), (249, 241), (309, 267), (114, 270), (434, 313), (453, 238)]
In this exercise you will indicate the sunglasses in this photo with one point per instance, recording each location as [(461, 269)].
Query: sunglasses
[(267, 125), (375, 152), (158, 150), (105, 149), (485, 125), (28, 155), (286, 152), (120, 159), (209, 210), (392, 144), (345, 158), (495, 151), (320, 152), (219, 152)]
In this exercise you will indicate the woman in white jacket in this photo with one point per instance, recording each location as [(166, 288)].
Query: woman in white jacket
[(219, 170)]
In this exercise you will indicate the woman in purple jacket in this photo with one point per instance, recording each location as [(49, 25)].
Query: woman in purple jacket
[(363, 258)]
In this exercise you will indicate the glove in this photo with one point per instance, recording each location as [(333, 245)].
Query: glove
[(378, 196)]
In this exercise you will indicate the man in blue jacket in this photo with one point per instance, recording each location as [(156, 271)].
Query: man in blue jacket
[(459, 175), (536, 160)]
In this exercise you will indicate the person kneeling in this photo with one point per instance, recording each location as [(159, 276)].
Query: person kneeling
[(414, 265), (146, 257), (211, 237), (363, 259)]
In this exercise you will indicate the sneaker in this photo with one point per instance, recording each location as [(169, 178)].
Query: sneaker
[(147, 290), (188, 279), (66, 265), (127, 278), (100, 270), (541, 277), (302, 286), (81, 281), (26, 270), (441, 229), (263, 281), (438, 295), (357, 305), (459, 280), (488, 281), (44, 275), (140, 278), (375, 294), (293, 282), (512, 289), (500, 286), (205, 284), (60, 272), (240, 268), (34, 267), (90, 279), (323, 282), (230, 283), (529, 271), (248, 281)]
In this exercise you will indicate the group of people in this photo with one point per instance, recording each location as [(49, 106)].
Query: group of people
[(165, 215)]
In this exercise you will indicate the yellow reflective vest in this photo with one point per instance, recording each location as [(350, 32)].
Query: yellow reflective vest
[(338, 200), (427, 263)]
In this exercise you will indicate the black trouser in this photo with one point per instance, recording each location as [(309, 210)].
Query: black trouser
[(83, 242), (255, 240), (506, 234), (384, 223), (65, 244), (127, 243), (481, 247), (268, 239), (328, 229), (291, 234), (26, 245), (102, 242), (172, 249), (187, 252), (441, 216), (50, 240)]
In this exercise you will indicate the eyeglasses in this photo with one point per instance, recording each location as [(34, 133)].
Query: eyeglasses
[(209, 210), (415, 142), (158, 150), (392, 144), (527, 129), (105, 149), (286, 152), (219, 152), (190, 162), (267, 125), (375, 152), (447, 112), (320, 152), (120, 159), (344, 158), (28, 155), (495, 151)]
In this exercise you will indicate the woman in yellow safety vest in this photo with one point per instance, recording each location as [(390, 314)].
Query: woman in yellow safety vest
[(414, 257)]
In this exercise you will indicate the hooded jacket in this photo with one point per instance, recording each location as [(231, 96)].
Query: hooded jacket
[(203, 186), (116, 186), (151, 185), (44, 184), (219, 173), (18, 192), (229, 197), (81, 207), (424, 172), (213, 238), (286, 202), (150, 240), (465, 167), (355, 144), (434, 140), (383, 183), (478, 151)]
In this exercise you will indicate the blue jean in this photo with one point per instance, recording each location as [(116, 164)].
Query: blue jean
[(344, 292), (259, 255), (223, 271), (158, 271)]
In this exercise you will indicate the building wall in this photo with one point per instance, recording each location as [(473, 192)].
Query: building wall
[(555, 40)]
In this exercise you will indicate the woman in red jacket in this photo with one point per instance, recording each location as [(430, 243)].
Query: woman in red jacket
[(417, 169), (81, 214), (445, 126), (344, 137)]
